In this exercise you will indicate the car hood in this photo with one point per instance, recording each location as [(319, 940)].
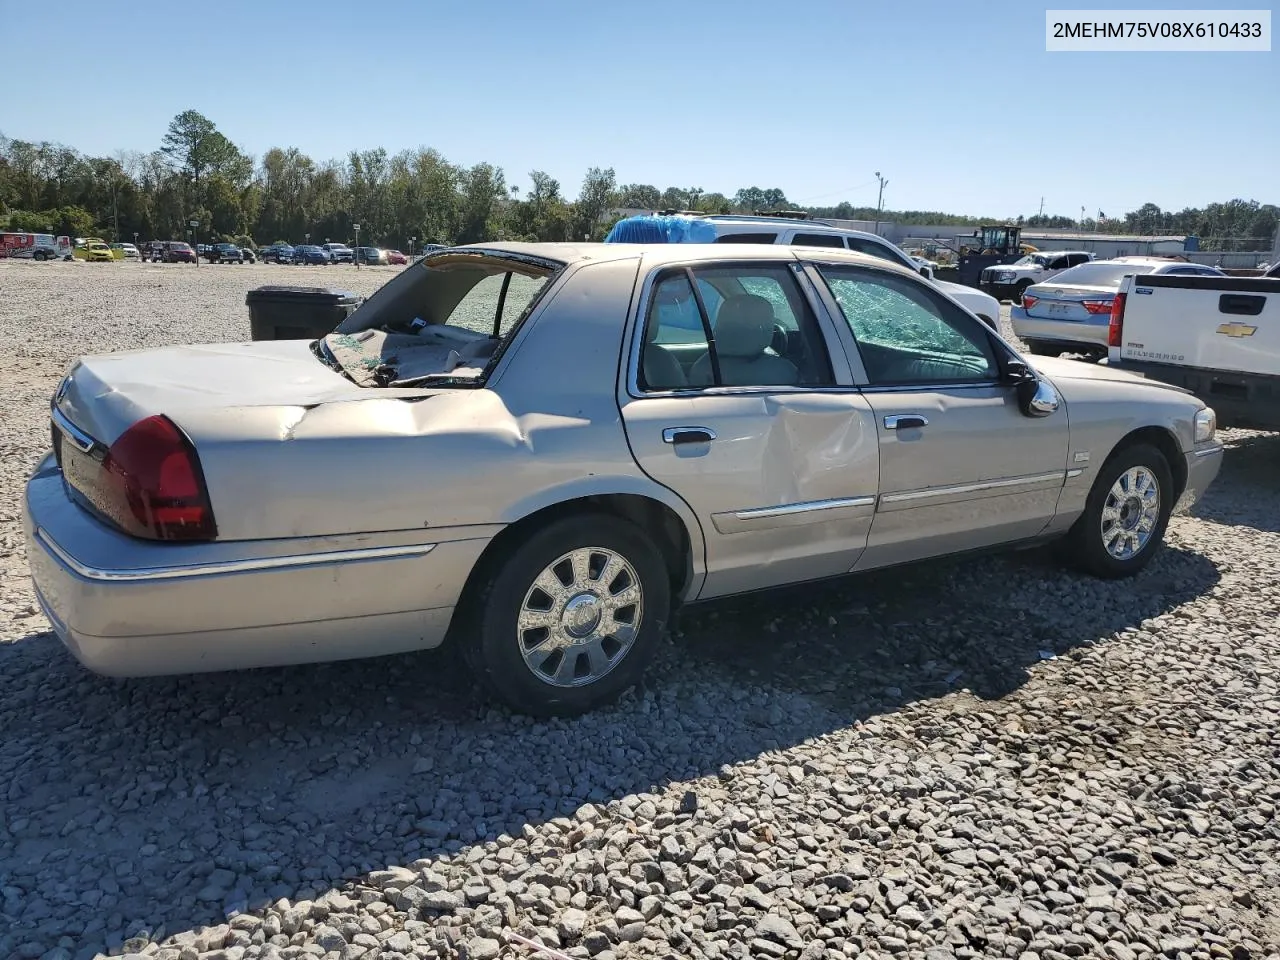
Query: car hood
[(1062, 371), (957, 289)]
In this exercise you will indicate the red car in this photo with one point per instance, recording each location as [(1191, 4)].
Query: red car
[(396, 257), (171, 251)]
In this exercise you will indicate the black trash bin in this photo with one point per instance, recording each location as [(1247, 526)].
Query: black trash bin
[(297, 313)]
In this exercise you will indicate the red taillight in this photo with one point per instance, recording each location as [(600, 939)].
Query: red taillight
[(1115, 330), (154, 482), (1098, 306), (1028, 301)]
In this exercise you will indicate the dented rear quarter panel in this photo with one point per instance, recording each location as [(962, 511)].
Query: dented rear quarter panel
[(545, 429)]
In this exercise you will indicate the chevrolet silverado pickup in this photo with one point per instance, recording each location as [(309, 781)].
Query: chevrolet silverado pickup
[(1218, 337)]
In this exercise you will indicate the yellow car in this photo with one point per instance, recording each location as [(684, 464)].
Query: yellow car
[(92, 250)]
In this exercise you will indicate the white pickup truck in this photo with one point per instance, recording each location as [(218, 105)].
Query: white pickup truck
[(1218, 337)]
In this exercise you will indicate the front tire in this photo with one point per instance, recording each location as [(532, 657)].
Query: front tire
[(1020, 290), (1125, 516), (570, 617)]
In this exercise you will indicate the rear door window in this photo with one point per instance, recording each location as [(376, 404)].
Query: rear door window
[(817, 240), (871, 248), (748, 238), (761, 331)]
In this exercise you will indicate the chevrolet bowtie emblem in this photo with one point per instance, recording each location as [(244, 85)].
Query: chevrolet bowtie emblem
[(1236, 329)]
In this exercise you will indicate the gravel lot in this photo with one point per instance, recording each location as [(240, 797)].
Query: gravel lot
[(986, 758)]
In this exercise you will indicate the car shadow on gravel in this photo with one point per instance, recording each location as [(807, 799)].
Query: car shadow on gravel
[(165, 803), (1244, 492)]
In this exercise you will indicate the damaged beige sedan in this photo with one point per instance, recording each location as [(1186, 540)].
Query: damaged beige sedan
[(534, 451)]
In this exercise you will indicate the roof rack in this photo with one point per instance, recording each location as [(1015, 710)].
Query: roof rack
[(764, 217)]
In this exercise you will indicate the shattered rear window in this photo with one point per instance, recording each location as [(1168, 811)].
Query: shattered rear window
[(442, 323)]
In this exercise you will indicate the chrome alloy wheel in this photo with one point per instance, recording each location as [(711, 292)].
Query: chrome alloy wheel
[(580, 617), (1130, 513)]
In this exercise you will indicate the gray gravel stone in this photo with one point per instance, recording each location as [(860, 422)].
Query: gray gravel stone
[(978, 758)]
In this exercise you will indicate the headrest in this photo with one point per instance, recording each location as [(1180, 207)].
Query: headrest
[(744, 326)]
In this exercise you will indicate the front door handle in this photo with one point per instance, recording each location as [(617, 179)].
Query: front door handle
[(906, 421), (676, 435)]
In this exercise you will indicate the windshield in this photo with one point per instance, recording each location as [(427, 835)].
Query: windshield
[(441, 323), (1101, 274)]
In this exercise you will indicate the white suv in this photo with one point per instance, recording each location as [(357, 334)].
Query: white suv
[(1007, 281), (733, 228)]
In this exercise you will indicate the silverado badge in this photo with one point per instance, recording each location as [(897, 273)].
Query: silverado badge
[(1235, 329)]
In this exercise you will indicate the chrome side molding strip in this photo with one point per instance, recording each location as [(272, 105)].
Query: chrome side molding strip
[(808, 506), (223, 567), (961, 488)]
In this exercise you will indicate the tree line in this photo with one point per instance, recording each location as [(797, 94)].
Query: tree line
[(197, 173)]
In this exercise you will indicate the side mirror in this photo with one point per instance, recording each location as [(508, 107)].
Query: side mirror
[(1036, 397)]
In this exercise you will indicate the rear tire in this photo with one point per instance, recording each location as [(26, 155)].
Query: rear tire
[(578, 644), (1125, 516)]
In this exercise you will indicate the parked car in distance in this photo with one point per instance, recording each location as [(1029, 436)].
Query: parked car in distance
[(427, 249), (1072, 312), (1008, 281), (125, 251), (92, 250), (171, 251), (339, 252), (310, 253), (224, 253), (248, 255), (396, 258), (277, 253), (370, 255), (734, 228), (554, 562)]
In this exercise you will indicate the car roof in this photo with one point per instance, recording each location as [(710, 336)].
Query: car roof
[(783, 223), (659, 254)]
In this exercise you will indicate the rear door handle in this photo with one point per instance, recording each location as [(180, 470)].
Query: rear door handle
[(676, 435), (906, 421)]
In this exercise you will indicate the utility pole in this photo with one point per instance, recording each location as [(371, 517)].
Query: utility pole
[(880, 200), (1041, 207)]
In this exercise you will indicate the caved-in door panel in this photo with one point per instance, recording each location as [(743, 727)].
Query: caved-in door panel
[(786, 489)]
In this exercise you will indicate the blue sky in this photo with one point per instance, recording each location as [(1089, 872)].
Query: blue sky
[(957, 103)]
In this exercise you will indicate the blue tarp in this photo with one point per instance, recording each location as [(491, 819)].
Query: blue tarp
[(659, 229)]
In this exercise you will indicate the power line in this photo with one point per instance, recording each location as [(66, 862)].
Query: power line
[(823, 196)]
